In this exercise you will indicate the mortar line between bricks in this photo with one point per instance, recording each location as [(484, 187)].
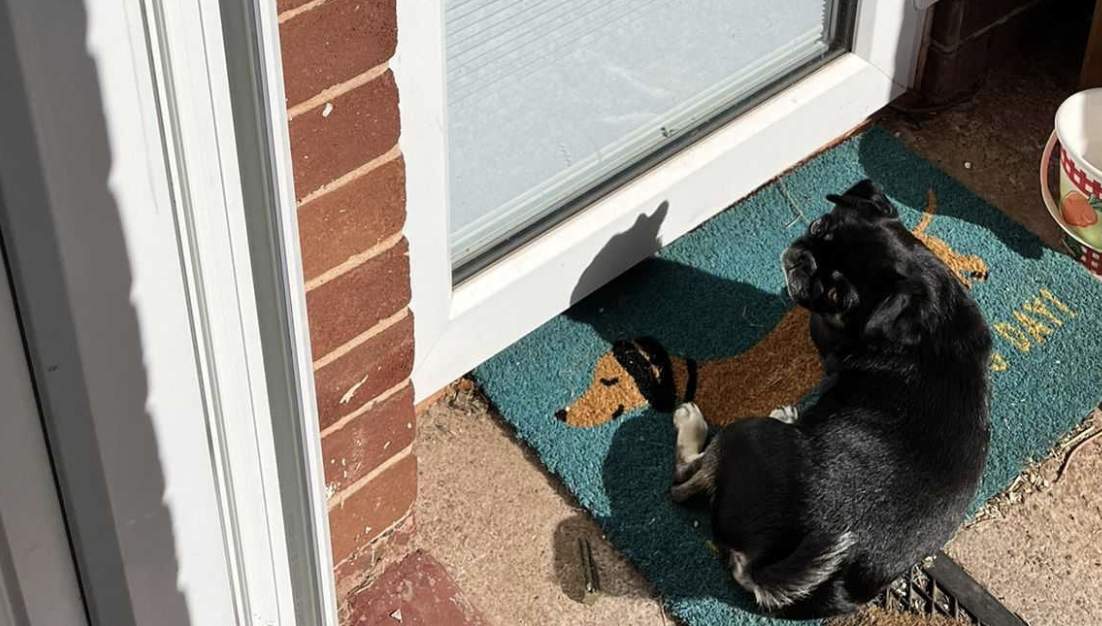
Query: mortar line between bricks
[(351, 345), (359, 551), (329, 93), (339, 498), (367, 406), (983, 31), (385, 533), (343, 180), (302, 8), (354, 261)]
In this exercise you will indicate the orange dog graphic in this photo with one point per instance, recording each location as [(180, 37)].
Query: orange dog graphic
[(778, 371), (967, 267)]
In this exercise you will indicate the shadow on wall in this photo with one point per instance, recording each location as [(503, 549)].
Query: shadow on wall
[(638, 241), (126, 580)]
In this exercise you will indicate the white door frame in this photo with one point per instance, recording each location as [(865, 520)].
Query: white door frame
[(148, 217), (456, 328)]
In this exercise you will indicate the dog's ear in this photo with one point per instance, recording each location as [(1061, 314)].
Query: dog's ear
[(869, 197), (897, 319), (866, 189)]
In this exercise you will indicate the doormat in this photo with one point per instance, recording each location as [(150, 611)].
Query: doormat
[(579, 392)]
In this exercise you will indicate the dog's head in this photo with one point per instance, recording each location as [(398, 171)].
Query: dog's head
[(856, 268)]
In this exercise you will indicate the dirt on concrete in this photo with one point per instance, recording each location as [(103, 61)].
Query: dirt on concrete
[(880, 617), (1041, 556), (507, 531)]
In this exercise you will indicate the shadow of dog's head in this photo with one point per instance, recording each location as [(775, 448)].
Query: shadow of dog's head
[(861, 271)]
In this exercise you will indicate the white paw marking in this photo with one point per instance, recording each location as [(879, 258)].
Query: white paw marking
[(692, 431), (686, 415), (801, 584), (787, 414)]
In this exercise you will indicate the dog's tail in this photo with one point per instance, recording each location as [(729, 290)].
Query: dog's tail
[(793, 578)]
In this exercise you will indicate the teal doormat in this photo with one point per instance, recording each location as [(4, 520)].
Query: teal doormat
[(716, 296)]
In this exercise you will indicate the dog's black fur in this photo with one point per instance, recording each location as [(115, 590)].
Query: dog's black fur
[(818, 516)]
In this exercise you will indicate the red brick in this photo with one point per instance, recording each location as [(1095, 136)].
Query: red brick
[(350, 304), (352, 218), (421, 589), (958, 20), (361, 125), (1006, 38), (368, 562), (950, 74), (367, 370), (286, 5), (373, 508), (362, 444), (333, 43)]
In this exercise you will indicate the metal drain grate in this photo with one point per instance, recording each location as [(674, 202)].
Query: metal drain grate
[(942, 587)]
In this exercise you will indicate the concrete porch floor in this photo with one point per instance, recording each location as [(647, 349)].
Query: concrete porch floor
[(505, 531)]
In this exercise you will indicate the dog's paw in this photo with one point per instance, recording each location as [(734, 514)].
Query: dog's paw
[(687, 415), (787, 414), (692, 430)]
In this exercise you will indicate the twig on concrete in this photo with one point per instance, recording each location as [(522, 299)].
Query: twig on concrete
[(589, 570), (1075, 450), (979, 521), (1080, 436)]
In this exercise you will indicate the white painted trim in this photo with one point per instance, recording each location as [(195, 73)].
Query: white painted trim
[(282, 580), (158, 274), (312, 561), (888, 36), (458, 328), (197, 121), (418, 66)]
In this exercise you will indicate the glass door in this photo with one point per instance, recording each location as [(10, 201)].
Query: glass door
[(551, 103)]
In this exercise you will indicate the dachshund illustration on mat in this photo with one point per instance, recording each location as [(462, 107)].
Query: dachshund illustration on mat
[(778, 371)]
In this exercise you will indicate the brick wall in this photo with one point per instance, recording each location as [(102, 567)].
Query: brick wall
[(350, 185), (967, 37)]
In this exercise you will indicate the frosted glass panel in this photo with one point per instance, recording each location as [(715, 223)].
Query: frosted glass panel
[(545, 98)]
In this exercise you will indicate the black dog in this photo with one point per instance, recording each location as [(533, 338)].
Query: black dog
[(818, 514)]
